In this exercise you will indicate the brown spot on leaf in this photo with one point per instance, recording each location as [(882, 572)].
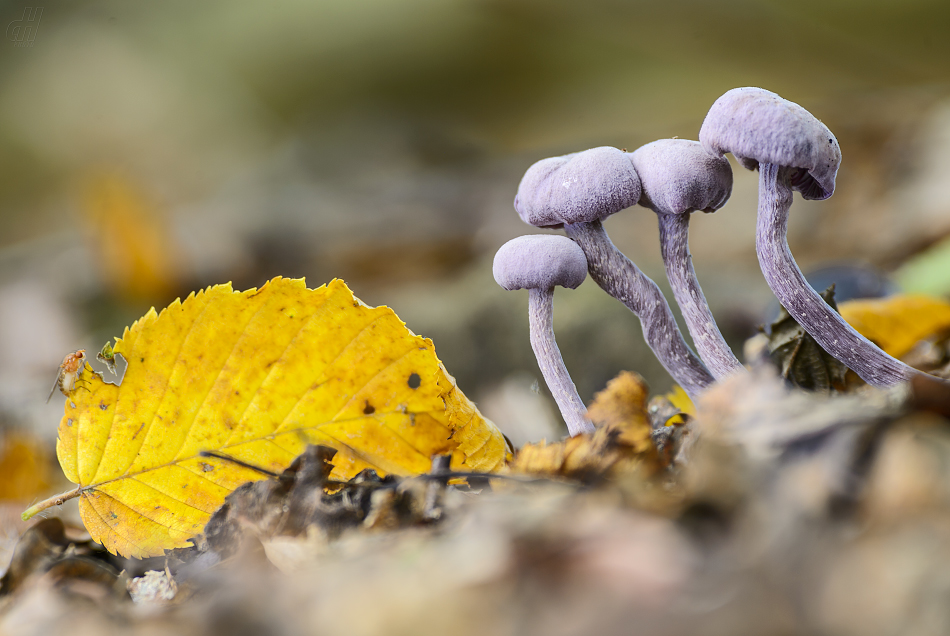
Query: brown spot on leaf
[(369, 409), (415, 381)]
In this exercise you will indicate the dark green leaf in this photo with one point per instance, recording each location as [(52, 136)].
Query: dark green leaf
[(800, 359)]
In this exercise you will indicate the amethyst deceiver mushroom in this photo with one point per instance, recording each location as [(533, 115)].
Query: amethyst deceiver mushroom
[(578, 191), (538, 263), (793, 151), (678, 177)]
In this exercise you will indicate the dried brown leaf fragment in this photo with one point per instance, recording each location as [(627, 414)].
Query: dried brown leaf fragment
[(622, 442)]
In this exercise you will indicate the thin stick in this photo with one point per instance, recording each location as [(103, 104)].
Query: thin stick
[(234, 460)]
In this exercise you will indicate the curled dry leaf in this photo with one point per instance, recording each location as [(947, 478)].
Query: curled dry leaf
[(296, 503), (800, 359), (257, 376), (622, 441)]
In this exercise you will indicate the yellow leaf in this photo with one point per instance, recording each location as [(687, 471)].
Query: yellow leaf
[(257, 376), (678, 398), (897, 323)]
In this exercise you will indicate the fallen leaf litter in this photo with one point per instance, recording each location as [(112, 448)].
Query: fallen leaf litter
[(761, 509)]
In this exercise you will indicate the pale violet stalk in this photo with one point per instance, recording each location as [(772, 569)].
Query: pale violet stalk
[(711, 346), (551, 363), (621, 278)]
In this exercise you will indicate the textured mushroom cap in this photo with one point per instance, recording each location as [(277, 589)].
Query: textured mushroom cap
[(758, 126), (679, 176), (540, 261), (577, 188)]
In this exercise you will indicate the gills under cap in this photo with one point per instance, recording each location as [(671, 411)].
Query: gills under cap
[(758, 126), (540, 261), (578, 188), (679, 176)]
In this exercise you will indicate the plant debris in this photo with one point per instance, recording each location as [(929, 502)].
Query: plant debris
[(304, 499), (622, 440), (801, 360), (784, 511)]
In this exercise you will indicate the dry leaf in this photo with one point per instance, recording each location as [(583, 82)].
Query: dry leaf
[(623, 439), (800, 359), (897, 323), (256, 376), (622, 408), (297, 503)]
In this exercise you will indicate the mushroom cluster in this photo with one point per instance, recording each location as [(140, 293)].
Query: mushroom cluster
[(674, 177)]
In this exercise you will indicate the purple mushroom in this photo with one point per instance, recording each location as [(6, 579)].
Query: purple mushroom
[(538, 263), (577, 192), (679, 177), (793, 151)]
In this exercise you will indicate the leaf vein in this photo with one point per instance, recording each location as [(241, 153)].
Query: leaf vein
[(113, 528), (204, 400), (383, 423), (273, 368), (167, 380), (323, 374), (172, 497), (178, 462)]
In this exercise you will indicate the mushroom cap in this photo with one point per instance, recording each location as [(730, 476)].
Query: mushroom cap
[(540, 261), (577, 188), (679, 176), (758, 126)]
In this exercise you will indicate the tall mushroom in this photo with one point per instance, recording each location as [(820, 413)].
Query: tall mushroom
[(538, 263), (793, 151), (679, 177), (577, 192)]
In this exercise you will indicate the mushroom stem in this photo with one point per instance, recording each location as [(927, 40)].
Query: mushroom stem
[(711, 346), (621, 278), (541, 324), (802, 302)]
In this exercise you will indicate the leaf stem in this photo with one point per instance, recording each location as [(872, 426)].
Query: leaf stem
[(58, 500)]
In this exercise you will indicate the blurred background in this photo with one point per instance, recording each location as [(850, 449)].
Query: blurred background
[(151, 149)]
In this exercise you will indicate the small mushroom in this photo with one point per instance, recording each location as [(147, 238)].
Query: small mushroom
[(678, 177), (578, 191), (538, 263), (793, 151)]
